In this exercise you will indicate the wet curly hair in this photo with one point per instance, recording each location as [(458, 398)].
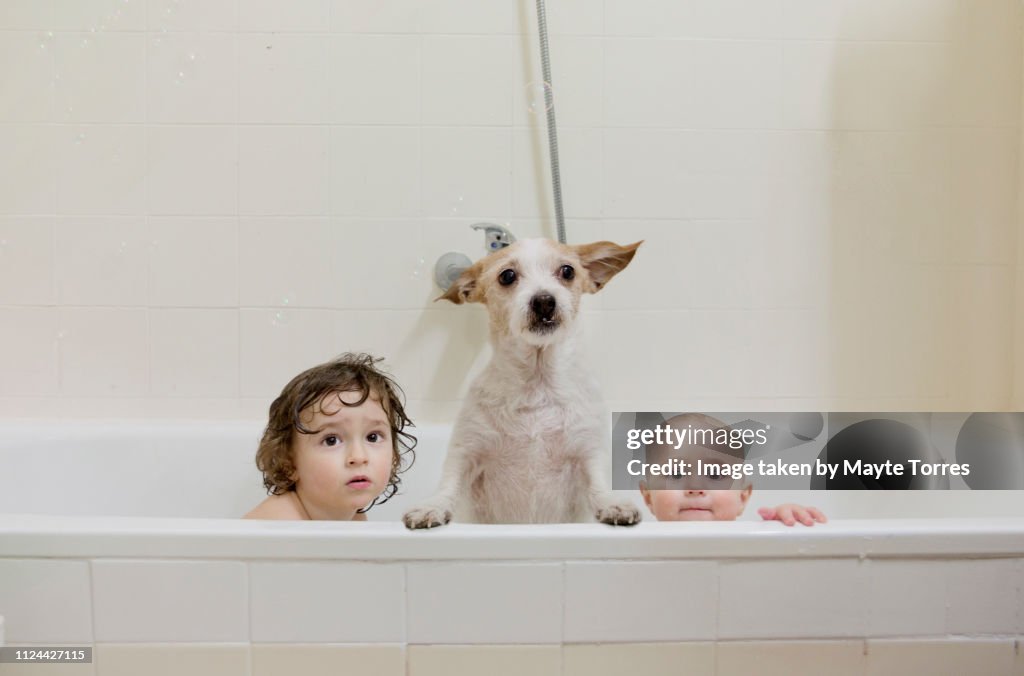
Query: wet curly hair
[(347, 373)]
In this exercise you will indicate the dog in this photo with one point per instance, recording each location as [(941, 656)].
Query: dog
[(528, 445)]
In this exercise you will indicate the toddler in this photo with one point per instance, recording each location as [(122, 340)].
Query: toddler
[(335, 443), (709, 498)]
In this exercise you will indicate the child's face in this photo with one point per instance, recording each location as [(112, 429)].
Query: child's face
[(347, 463), (693, 498), (696, 504)]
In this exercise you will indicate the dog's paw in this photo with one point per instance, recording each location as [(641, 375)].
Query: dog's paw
[(426, 517), (619, 514)]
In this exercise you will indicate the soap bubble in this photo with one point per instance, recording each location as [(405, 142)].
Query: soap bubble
[(537, 97)]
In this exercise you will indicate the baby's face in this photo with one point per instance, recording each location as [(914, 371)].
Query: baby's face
[(693, 498), (696, 504), (347, 463)]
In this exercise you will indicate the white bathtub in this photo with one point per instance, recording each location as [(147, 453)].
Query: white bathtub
[(161, 563)]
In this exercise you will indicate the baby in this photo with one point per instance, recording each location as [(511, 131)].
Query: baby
[(709, 498), (335, 443)]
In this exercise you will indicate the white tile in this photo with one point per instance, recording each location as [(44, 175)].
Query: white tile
[(283, 170), (274, 16), (102, 169), (192, 78), (391, 334), (792, 599), (640, 601), (375, 171), (385, 261), (581, 160), (100, 77), (175, 15), (45, 601), (724, 19), (906, 598), (484, 603), (27, 92), (291, 263), (735, 85), (103, 352), (193, 170), (119, 247), (194, 262), (568, 17), (651, 188), (454, 349), (983, 67), (301, 602), (467, 91), (30, 163), (194, 353), (808, 84), (284, 78), (891, 86), (170, 601), (358, 16), (26, 15), (278, 344), (635, 94), (26, 260), (95, 16), (915, 20), (981, 596), (577, 68), (466, 173), (468, 16), (649, 18), (28, 364), (375, 79)]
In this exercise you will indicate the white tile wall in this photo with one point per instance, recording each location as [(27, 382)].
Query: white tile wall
[(800, 170), (45, 601), (549, 603), (494, 603), (327, 602), (170, 601)]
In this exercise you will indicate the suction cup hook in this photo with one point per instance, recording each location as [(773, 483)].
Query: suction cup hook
[(450, 265)]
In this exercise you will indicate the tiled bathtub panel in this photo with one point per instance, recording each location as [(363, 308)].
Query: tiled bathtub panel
[(640, 601), (45, 601), (651, 659), (170, 601), (472, 603), (331, 602), (792, 599), (327, 660), (512, 660), (172, 659), (941, 658)]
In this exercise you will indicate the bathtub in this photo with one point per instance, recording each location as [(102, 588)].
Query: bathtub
[(159, 570)]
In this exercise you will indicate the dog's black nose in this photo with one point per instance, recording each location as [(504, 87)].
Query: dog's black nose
[(543, 306)]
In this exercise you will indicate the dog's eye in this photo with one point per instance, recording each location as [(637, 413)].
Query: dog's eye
[(567, 272), (507, 277)]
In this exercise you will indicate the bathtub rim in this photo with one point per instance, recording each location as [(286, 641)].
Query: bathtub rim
[(33, 536)]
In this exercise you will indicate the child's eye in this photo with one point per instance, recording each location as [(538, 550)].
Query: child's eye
[(374, 437), (331, 440)]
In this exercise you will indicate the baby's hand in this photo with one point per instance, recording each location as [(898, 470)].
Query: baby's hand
[(790, 513)]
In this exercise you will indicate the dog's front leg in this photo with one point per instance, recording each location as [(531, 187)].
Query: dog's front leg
[(604, 504), (437, 510)]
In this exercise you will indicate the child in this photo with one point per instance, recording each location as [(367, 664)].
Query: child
[(708, 498), (331, 448)]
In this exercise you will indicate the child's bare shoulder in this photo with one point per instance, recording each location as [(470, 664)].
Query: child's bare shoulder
[(277, 507)]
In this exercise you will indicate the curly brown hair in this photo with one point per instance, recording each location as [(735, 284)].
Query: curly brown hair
[(347, 373)]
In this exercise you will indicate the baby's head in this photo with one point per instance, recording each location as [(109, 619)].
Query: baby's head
[(697, 498), (337, 430)]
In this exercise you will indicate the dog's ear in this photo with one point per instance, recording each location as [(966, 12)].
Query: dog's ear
[(464, 289), (604, 260)]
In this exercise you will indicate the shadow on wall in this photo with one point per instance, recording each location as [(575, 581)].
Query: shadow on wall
[(923, 218)]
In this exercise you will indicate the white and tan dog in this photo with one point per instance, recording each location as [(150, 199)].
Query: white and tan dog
[(531, 442)]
